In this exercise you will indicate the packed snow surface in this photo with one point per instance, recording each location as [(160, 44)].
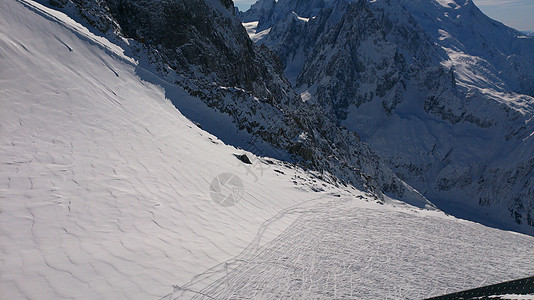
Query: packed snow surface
[(106, 193), (252, 32), (347, 249), (447, 3)]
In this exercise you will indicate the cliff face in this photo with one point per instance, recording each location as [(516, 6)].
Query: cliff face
[(429, 87)]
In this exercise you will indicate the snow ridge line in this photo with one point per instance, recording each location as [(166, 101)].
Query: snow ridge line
[(78, 29)]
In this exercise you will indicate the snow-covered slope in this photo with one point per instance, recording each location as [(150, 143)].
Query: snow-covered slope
[(104, 185), (211, 57), (345, 250), (429, 86), (106, 191)]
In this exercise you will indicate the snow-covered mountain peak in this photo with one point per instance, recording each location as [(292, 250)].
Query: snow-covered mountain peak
[(466, 29), (454, 4), (442, 69)]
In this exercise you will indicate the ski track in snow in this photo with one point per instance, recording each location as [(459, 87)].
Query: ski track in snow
[(346, 250), (104, 194)]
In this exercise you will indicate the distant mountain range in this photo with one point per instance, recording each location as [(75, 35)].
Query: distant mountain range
[(438, 89)]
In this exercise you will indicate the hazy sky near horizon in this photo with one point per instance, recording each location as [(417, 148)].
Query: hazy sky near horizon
[(518, 14)]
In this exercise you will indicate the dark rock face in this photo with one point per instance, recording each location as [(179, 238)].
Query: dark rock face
[(342, 56), (361, 51), (193, 37)]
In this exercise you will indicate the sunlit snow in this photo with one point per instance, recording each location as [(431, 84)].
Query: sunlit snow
[(106, 193)]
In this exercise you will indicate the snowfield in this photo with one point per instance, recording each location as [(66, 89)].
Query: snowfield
[(106, 193), (346, 249), (105, 186)]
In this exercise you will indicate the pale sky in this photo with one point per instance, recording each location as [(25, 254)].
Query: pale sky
[(518, 14), (244, 4)]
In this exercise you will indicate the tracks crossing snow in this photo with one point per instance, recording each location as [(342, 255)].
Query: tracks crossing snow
[(339, 250)]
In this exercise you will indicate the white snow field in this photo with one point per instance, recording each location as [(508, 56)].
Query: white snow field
[(348, 249), (106, 193)]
